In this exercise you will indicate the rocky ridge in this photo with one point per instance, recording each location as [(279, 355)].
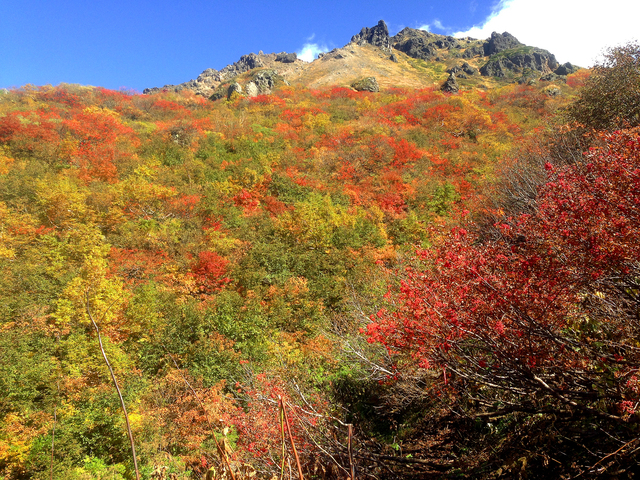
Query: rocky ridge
[(209, 80), (502, 57)]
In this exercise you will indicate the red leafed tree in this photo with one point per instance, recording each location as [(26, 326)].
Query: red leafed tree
[(103, 142), (209, 271), (548, 312)]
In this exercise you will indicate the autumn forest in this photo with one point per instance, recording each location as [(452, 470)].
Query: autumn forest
[(322, 283)]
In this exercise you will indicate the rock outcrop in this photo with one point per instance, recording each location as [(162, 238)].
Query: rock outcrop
[(261, 83), (516, 60), (552, 90), (566, 69), (473, 51), (208, 81), (234, 89), (510, 58), (369, 84), (377, 36), (287, 57), (415, 43), (464, 69), (424, 45), (499, 43), (451, 85)]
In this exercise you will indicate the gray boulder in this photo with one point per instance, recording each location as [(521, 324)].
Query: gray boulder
[(494, 68), (246, 63), (566, 69), (450, 86), (552, 91), (369, 84), (286, 57)]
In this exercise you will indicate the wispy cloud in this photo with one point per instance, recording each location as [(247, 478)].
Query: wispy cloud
[(309, 51), (436, 23), (567, 28)]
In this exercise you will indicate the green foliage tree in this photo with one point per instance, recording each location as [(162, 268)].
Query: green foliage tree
[(611, 97)]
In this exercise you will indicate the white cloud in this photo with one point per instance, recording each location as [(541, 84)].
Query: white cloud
[(575, 31), (438, 24), (309, 51), (435, 24)]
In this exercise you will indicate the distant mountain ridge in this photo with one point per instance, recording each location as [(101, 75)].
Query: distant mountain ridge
[(411, 58)]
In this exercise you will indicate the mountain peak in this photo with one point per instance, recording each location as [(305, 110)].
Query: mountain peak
[(500, 42), (377, 36)]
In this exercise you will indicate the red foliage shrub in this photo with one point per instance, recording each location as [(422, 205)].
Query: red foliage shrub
[(209, 271), (34, 132), (247, 200), (268, 100), (550, 306), (578, 79), (102, 141), (184, 205), (137, 266)]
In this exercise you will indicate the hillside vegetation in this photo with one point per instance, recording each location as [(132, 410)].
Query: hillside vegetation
[(293, 253)]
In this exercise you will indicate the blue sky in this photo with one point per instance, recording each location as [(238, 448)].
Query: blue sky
[(137, 44)]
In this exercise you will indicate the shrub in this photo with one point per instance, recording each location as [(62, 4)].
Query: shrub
[(611, 97)]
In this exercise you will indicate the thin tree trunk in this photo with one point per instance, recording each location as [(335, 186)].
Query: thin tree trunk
[(293, 444), (115, 384), (55, 422), (53, 437), (351, 464)]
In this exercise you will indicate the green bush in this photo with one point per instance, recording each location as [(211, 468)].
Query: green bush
[(611, 97)]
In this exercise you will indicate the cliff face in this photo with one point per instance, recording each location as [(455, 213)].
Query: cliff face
[(411, 58)]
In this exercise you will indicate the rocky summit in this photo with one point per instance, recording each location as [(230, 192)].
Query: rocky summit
[(412, 58)]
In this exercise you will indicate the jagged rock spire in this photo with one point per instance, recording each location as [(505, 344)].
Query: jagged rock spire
[(377, 36)]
